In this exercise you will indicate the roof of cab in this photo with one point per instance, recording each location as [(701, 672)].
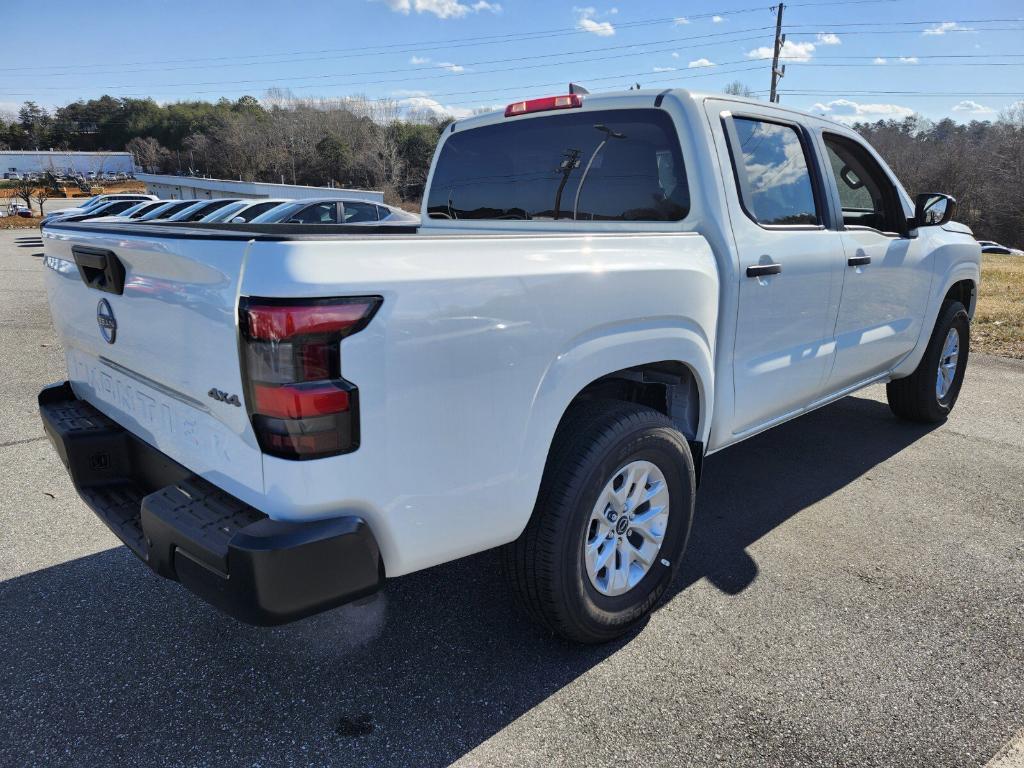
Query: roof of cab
[(641, 95)]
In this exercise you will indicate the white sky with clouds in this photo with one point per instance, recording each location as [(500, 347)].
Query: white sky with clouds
[(460, 55)]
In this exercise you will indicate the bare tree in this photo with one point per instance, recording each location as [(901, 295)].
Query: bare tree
[(23, 190), (41, 195), (736, 88)]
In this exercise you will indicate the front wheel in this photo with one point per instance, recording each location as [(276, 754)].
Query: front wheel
[(610, 525), (930, 392)]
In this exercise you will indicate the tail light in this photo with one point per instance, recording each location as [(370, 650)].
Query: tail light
[(543, 105), (301, 407)]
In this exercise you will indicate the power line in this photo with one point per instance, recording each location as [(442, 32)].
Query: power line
[(433, 68), (410, 48)]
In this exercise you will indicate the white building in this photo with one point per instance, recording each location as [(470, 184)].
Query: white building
[(17, 161), (191, 187)]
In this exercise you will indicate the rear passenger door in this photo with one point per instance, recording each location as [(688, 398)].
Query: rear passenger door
[(888, 274), (790, 269)]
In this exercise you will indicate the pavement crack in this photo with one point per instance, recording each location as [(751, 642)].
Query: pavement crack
[(22, 442)]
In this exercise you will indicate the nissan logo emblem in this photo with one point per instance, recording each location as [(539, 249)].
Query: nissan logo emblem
[(105, 320)]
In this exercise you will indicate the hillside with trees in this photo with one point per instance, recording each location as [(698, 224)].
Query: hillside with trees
[(357, 142)]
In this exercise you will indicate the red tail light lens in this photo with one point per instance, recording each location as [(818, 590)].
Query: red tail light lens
[(300, 405), (543, 105)]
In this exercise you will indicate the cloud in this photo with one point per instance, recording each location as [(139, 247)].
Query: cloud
[(424, 105), (664, 69), (680, 20), (944, 27), (443, 9), (454, 68), (827, 38), (880, 60), (675, 55), (585, 21), (795, 52), (908, 59), (973, 108), (701, 62), (717, 19), (847, 111)]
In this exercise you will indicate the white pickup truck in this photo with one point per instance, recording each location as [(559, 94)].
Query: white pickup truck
[(604, 291)]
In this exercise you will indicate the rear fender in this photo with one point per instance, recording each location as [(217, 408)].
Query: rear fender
[(603, 351)]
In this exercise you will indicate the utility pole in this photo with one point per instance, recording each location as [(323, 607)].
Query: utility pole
[(780, 39), (566, 167)]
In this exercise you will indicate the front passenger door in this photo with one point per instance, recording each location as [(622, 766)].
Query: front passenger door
[(888, 274)]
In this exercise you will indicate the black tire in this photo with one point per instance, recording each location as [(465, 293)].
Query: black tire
[(545, 564), (915, 397)]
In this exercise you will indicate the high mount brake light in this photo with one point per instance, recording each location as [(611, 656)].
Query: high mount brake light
[(301, 407), (543, 105)]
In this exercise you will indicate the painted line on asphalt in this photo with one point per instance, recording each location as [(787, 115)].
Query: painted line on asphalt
[(1011, 755)]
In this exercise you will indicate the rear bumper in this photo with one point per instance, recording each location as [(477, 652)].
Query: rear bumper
[(260, 571)]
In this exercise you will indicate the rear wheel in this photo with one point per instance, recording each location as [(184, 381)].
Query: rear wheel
[(931, 391), (610, 524)]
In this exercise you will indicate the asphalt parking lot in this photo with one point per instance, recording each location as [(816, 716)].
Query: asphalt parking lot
[(853, 595)]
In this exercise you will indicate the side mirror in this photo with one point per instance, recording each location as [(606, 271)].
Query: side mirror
[(238, 220), (933, 209)]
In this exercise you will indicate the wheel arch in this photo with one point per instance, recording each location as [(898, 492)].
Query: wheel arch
[(646, 362), (959, 283)]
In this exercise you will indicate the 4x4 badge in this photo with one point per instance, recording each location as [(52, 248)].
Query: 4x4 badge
[(224, 397)]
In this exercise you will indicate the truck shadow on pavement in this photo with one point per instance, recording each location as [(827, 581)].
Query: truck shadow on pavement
[(106, 663)]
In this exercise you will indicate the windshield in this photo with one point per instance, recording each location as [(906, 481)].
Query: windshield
[(147, 208), (133, 209), (281, 212), (607, 165), (225, 213), (198, 210), (167, 209), (257, 209)]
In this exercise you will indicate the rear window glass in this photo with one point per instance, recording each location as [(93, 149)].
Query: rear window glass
[(612, 165)]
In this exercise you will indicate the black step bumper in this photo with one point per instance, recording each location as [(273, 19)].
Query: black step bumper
[(260, 571)]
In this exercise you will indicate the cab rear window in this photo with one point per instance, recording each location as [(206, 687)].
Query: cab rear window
[(609, 165)]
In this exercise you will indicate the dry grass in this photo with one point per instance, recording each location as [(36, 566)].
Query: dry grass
[(17, 222), (998, 326)]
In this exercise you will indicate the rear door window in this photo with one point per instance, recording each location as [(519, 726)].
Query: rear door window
[(357, 213), (609, 165), (773, 172)]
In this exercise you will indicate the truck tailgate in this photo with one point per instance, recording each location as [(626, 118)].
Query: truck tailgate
[(172, 340)]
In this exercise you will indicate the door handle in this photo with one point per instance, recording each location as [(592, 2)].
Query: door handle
[(858, 261), (762, 270)]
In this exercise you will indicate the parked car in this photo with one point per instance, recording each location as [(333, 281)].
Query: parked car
[(197, 210), (169, 208), (137, 211), (283, 422), (988, 246), (87, 205), (12, 176), (109, 208), (241, 211), (332, 210)]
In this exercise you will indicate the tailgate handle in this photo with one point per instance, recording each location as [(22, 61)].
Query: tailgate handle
[(99, 269)]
